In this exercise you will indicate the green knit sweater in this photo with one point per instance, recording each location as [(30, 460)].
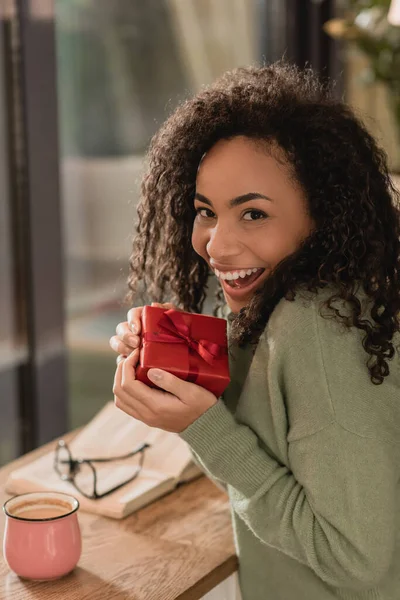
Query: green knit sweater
[(309, 450)]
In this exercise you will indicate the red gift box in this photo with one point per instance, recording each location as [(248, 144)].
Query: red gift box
[(193, 347)]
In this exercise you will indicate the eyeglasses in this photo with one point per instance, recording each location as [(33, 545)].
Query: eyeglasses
[(81, 472)]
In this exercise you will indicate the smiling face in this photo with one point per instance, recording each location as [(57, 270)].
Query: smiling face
[(250, 216)]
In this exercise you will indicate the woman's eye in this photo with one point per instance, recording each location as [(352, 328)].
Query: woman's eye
[(254, 215), (250, 215), (206, 213)]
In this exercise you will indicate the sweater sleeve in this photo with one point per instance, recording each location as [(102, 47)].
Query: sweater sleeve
[(333, 510), (220, 484), (223, 312)]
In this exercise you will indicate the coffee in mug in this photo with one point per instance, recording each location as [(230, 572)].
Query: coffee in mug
[(42, 538), (43, 508), (40, 512)]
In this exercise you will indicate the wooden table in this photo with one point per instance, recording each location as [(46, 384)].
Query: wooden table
[(179, 547)]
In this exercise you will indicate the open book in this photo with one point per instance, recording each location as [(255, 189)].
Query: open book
[(111, 432)]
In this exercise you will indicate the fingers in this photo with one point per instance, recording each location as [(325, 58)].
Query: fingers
[(135, 315), (125, 341), (167, 305), (120, 347), (128, 409), (134, 320), (120, 357), (142, 393), (121, 399), (130, 365), (126, 336), (172, 384), (117, 379), (128, 392)]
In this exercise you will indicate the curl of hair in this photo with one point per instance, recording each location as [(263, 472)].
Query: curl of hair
[(338, 164)]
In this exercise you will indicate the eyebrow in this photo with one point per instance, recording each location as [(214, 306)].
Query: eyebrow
[(235, 201)]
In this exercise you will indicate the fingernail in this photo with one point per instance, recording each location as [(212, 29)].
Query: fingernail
[(133, 328), (154, 374)]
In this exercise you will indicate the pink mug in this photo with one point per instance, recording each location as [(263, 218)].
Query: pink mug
[(42, 538)]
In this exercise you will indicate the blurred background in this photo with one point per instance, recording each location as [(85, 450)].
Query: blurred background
[(84, 84)]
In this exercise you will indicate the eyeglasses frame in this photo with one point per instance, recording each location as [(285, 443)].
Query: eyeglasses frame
[(74, 462)]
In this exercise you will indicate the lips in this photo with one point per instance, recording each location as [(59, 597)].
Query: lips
[(244, 280), (240, 288)]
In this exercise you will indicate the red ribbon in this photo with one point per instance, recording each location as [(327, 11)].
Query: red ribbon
[(179, 333)]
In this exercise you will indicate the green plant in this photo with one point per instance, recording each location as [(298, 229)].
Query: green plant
[(365, 25)]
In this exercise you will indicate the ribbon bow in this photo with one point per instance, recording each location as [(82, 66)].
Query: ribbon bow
[(179, 333)]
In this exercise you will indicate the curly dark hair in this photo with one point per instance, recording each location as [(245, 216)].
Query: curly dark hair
[(340, 167)]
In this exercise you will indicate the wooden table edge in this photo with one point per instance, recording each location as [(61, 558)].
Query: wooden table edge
[(211, 580), (195, 592)]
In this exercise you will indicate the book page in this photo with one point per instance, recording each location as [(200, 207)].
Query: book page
[(109, 434), (112, 432)]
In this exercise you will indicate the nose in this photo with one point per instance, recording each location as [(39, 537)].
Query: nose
[(223, 244)]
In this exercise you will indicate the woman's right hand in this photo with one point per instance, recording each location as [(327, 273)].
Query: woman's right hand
[(127, 337)]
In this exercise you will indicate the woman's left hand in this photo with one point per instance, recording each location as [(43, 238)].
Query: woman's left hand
[(171, 410)]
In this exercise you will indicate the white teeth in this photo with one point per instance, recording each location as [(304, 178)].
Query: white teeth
[(232, 275)]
